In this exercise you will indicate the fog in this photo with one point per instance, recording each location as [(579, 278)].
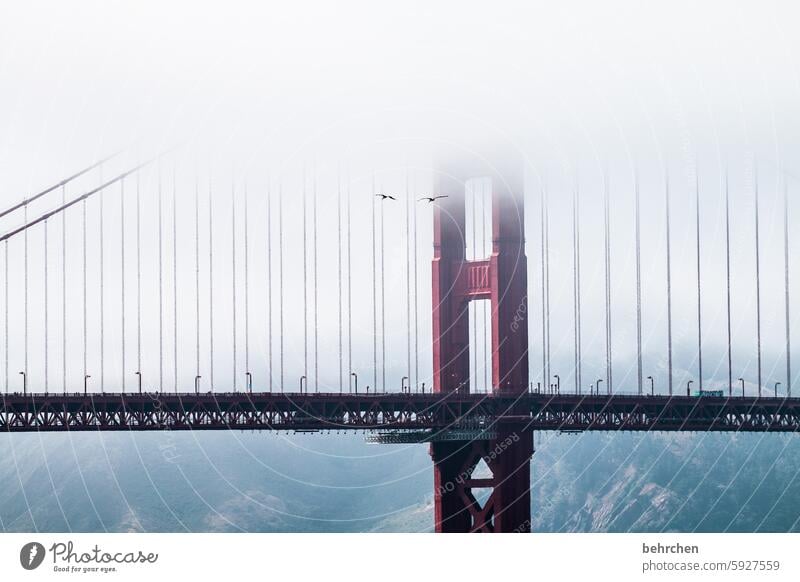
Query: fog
[(258, 99)]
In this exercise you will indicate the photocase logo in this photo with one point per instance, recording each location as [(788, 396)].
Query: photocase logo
[(31, 555)]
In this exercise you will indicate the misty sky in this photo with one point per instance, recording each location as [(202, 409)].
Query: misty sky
[(262, 98)]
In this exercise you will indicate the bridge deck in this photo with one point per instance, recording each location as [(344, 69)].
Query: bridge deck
[(393, 412)]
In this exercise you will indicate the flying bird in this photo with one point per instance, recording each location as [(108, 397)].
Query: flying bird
[(432, 198), (385, 196)]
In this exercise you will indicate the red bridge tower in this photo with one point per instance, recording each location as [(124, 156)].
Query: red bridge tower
[(507, 446)]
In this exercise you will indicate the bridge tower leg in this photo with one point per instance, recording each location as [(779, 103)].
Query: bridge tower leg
[(502, 279)]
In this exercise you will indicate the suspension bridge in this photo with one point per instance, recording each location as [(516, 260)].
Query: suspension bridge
[(478, 259)]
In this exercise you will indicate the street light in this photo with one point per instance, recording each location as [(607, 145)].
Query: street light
[(249, 382), (86, 383), (355, 377), (302, 378), (742, 381), (558, 383), (197, 384), (24, 382), (139, 375), (776, 388), (688, 387), (652, 386), (598, 385), (403, 385)]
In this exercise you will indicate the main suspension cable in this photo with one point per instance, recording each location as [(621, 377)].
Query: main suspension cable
[(60, 184)]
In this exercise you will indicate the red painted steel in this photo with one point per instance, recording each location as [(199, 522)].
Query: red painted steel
[(502, 278)]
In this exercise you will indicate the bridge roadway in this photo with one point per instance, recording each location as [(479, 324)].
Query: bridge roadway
[(394, 414)]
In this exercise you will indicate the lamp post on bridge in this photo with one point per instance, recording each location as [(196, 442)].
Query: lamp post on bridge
[(249, 376), (598, 385), (355, 379), (688, 387), (139, 379), (742, 381), (403, 385), (24, 382), (558, 383), (302, 379), (776, 388), (652, 386), (86, 383), (197, 384)]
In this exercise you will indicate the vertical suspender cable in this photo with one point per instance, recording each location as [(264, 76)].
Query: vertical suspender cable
[(83, 228), (138, 277), (408, 285), (786, 285), (63, 293), (578, 269), (210, 287), (280, 275), (547, 277), (233, 277), (545, 379), (609, 386), (758, 278), (160, 287), (638, 285), (122, 273), (374, 296), (339, 256), (26, 288), (269, 285), (102, 294), (197, 274), (316, 292), (305, 282), (246, 236), (383, 305), (575, 300), (669, 287), (174, 282), (349, 293), (46, 318), (728, 279), (5, 299), (416, 303), (699, 296)]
